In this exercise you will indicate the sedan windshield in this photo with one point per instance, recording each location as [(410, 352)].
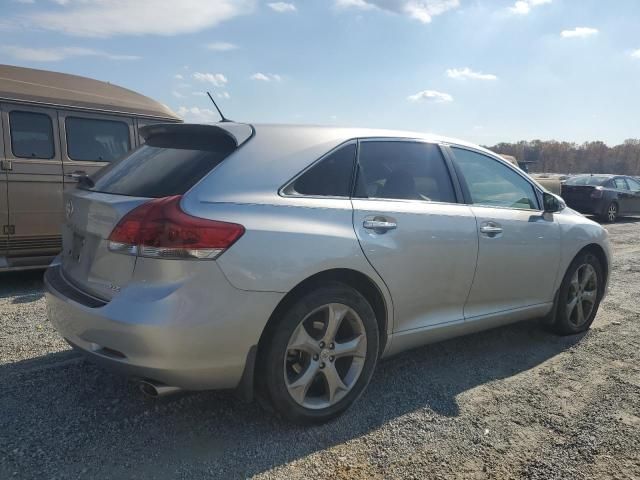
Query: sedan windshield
[(588, 180)]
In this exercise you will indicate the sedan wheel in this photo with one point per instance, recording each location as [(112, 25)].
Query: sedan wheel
[(612, 213), (319, 356)]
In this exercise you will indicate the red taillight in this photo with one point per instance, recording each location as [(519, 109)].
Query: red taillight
[(596, 192), (160, 229)]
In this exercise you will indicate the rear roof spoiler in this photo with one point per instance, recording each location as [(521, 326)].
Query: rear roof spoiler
[(238, 133)]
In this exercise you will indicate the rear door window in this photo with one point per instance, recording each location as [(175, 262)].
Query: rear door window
[(403, 170), (31, 135), (93, 140), (165, 165), (330, 177), (621, 184)]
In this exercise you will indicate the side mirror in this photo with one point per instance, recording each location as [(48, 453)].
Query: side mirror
[(552, 203)]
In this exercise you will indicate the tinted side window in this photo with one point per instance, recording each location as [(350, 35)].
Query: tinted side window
[(493, 184), (331, 177), (633, 185), (403, 170), (621, 184), (96, 140), (31, 135)]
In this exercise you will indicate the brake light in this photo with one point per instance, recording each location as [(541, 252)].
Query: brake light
[(160, 229), (596, 192)]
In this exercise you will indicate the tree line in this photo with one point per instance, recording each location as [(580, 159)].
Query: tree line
[(566, 157)]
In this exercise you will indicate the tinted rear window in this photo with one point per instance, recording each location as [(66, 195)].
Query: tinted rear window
[(588, 180), (166, 165)]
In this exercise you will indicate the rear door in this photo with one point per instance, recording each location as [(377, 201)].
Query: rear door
[(34, 180), (634, 186), (626, 200), (91, 141), (519, 245), (413, 232)]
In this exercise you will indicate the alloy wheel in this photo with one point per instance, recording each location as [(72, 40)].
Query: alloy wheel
[(325, 356), (583, 293), (612, 212)]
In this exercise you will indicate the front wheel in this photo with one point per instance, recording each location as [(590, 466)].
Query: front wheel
[(321, 355), (580, 294)]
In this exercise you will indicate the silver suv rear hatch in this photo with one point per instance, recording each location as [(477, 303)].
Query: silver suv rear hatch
[(174, 158)]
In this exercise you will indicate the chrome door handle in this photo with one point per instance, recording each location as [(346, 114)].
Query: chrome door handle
[(379, 225), (491, 229), (76, 175)]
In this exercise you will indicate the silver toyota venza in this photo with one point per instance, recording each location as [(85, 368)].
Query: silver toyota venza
[(288, 260)]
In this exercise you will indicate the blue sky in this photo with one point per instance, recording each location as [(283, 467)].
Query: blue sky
[(482, 70)]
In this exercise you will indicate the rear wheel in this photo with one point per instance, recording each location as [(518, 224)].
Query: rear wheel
[(321, 355), (611, 214), (580, 294)]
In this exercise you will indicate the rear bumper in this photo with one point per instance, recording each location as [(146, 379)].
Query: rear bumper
[(595, 207), (195, 334)]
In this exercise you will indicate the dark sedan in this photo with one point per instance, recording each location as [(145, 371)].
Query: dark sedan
[(606, 196)]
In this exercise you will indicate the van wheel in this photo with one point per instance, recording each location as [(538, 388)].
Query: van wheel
[(321, 355), (580, 294)]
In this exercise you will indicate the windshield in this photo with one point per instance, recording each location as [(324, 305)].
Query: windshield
[(588, 180)]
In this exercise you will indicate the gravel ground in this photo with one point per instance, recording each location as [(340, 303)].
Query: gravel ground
[(514, 402)]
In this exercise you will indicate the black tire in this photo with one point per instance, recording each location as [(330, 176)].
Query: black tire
[(610, 215), (565, 321), (273, 384)]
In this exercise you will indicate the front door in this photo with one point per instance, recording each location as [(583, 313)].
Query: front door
[(4, 202), (413, 232), (519, 245), (34, 181)]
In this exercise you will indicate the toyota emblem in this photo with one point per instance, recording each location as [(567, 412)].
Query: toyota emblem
[(69, 208)]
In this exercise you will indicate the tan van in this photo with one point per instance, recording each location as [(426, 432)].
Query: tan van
[(54, 129)]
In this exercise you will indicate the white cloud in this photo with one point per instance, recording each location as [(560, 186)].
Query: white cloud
[(224, 95), (266, 77), (106, 18), (55, 54), (198, 115), (430, 96), (282, 7), (579, 32), (177, 94), (635, 54), (199, 94), (217, 79), (221, 46), (523, 7), (467, 73), (421, 10), (178, 76)]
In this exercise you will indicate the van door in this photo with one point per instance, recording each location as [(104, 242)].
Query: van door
[(4, 201), (34, 183), (90, 141)]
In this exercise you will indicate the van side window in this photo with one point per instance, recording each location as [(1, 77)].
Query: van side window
[(330, 177), (95, 140), (31, 135)]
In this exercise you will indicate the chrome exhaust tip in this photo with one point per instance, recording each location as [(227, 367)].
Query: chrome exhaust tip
[(155, 390)]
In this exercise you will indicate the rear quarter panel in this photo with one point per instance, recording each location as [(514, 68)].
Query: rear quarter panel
[(284, 245)]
